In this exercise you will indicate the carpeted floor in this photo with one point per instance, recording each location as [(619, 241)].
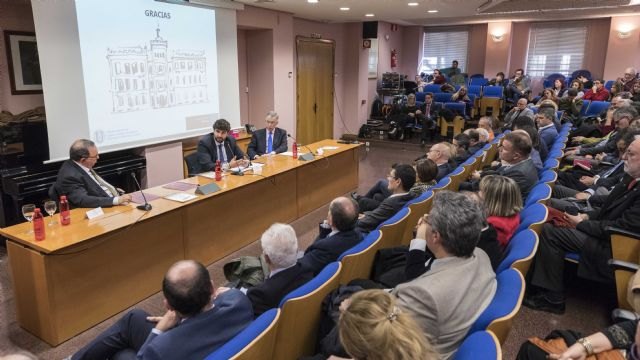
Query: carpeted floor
[(587, 303)]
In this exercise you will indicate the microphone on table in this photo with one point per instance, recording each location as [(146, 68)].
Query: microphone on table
[(146, 206), (233, 172), (303, 157)]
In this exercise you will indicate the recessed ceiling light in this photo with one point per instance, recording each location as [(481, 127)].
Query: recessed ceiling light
[(370, 15), (413, 4), (432, 11), (312, 1), (344, 8)]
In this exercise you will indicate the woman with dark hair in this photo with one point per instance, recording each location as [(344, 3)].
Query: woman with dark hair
[(558, 88)]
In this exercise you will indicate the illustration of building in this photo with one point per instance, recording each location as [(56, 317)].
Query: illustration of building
[(150, 78)]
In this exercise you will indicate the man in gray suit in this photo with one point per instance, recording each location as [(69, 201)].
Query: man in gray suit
[(460, 283), (519, 111), (268, 141)]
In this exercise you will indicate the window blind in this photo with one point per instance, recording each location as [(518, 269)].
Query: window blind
[(441, 48), (555, 48)]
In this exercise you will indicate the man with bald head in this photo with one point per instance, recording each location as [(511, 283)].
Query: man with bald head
[(337, 235), (81, 184), (440, 154), (196, 322), (626, 82)]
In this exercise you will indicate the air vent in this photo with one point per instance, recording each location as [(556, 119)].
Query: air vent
[(516, 6)]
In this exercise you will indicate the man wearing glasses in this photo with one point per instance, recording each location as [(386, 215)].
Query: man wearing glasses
[(597, 93), (81, 184)]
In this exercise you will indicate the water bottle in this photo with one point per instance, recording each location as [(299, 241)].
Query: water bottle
[(295, 150), (38, 225), (65, 213), (218, 171)]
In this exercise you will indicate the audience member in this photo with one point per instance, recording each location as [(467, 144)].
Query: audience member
[(461, 96), (499, 80), (484, 135), (430, 110), (280, 249), (587, 237), (488, 241), (558, 88), (196, 323), (401, 179), (519, 86), (445, 313), (503, 203), (547, 94), (486, 122), (539, 150), (584, 81), (519, 111), (81, 184), (626, 82), (546, 127), (461, 143), (597, 93), (577, 85), (426, 172), (475, 143), (270, 140), (373, 327), (338, 235), (571, 104), (440, 154), (219, 146), (635, 92), (438, 78)]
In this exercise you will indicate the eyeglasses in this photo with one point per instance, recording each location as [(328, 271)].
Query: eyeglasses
[(389, 176), (92, 157)]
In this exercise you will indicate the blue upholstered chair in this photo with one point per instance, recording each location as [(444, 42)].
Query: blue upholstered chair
[(533, 217), (504, 306), (519, 252), (255, 341), (596, 107), (539, 194), (479, 345), (358, 261)]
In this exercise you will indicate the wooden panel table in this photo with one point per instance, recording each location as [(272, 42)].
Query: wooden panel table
[(86, 272)]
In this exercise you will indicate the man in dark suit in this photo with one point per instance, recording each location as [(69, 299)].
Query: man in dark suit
[(336, 236), (515, 162), (589, 238), (441, 154), (429, 113), (196, 323), (81, 184), (280, 249), (401, 178), (219, 146), (270, 140)]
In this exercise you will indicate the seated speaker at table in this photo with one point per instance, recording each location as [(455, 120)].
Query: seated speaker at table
[(270, 140), (219, 146), (81, 184)]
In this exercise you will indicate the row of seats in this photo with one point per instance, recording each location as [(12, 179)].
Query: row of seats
[(290, 331)]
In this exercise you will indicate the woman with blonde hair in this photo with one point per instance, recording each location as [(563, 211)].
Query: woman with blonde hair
[(373, 327), (503, 202)]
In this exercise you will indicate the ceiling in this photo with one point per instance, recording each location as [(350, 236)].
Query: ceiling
[(450, 12)]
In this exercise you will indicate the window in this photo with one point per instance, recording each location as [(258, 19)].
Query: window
[(442, 47), (373, 59), (556, 48)]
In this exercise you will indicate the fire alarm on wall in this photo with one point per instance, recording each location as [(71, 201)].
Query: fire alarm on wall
[(366, 43)]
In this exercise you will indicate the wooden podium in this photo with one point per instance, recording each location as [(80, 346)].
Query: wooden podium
[(86, 272)]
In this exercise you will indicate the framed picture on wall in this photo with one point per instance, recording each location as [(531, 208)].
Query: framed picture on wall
[(23, 61)]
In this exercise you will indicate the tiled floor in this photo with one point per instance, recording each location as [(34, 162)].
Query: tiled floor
[(587, 308)]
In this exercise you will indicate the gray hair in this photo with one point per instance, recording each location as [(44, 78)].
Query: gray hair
[(272, 114), (279, 242), (458, 220), (80, 149), (626, 111), (484, 134)]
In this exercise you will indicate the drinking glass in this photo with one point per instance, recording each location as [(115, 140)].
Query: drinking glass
[(27, 212), (50, 207)]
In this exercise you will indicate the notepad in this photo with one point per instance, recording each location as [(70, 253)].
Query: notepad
[(181, 197)]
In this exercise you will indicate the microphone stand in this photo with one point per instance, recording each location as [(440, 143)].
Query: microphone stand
[(146, 206)]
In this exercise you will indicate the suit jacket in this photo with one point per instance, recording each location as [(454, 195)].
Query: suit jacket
[(208, 152), (524, 173), (389, 207), (549, 136), (447, 299), (620, 209), (81, 190), (198, 336), (514, 114), (325, 250), (258, 144), (270, 292), (433, 109), (443, 170)]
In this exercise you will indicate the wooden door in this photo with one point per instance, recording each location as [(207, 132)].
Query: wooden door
[(314, 109)]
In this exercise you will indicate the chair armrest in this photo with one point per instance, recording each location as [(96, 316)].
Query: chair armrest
[(623, 265), (612, 230)]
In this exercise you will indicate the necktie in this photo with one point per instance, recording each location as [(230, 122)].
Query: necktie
[(222, 156), (612, 170), (109, 189), (427, 110), (270, 143), (632, 184)]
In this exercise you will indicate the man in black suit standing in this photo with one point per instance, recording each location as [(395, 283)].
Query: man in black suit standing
[(280, 248), (621, 209), (81, 184), (401, 179), (219, 146), (336, 236), (268, 141)]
